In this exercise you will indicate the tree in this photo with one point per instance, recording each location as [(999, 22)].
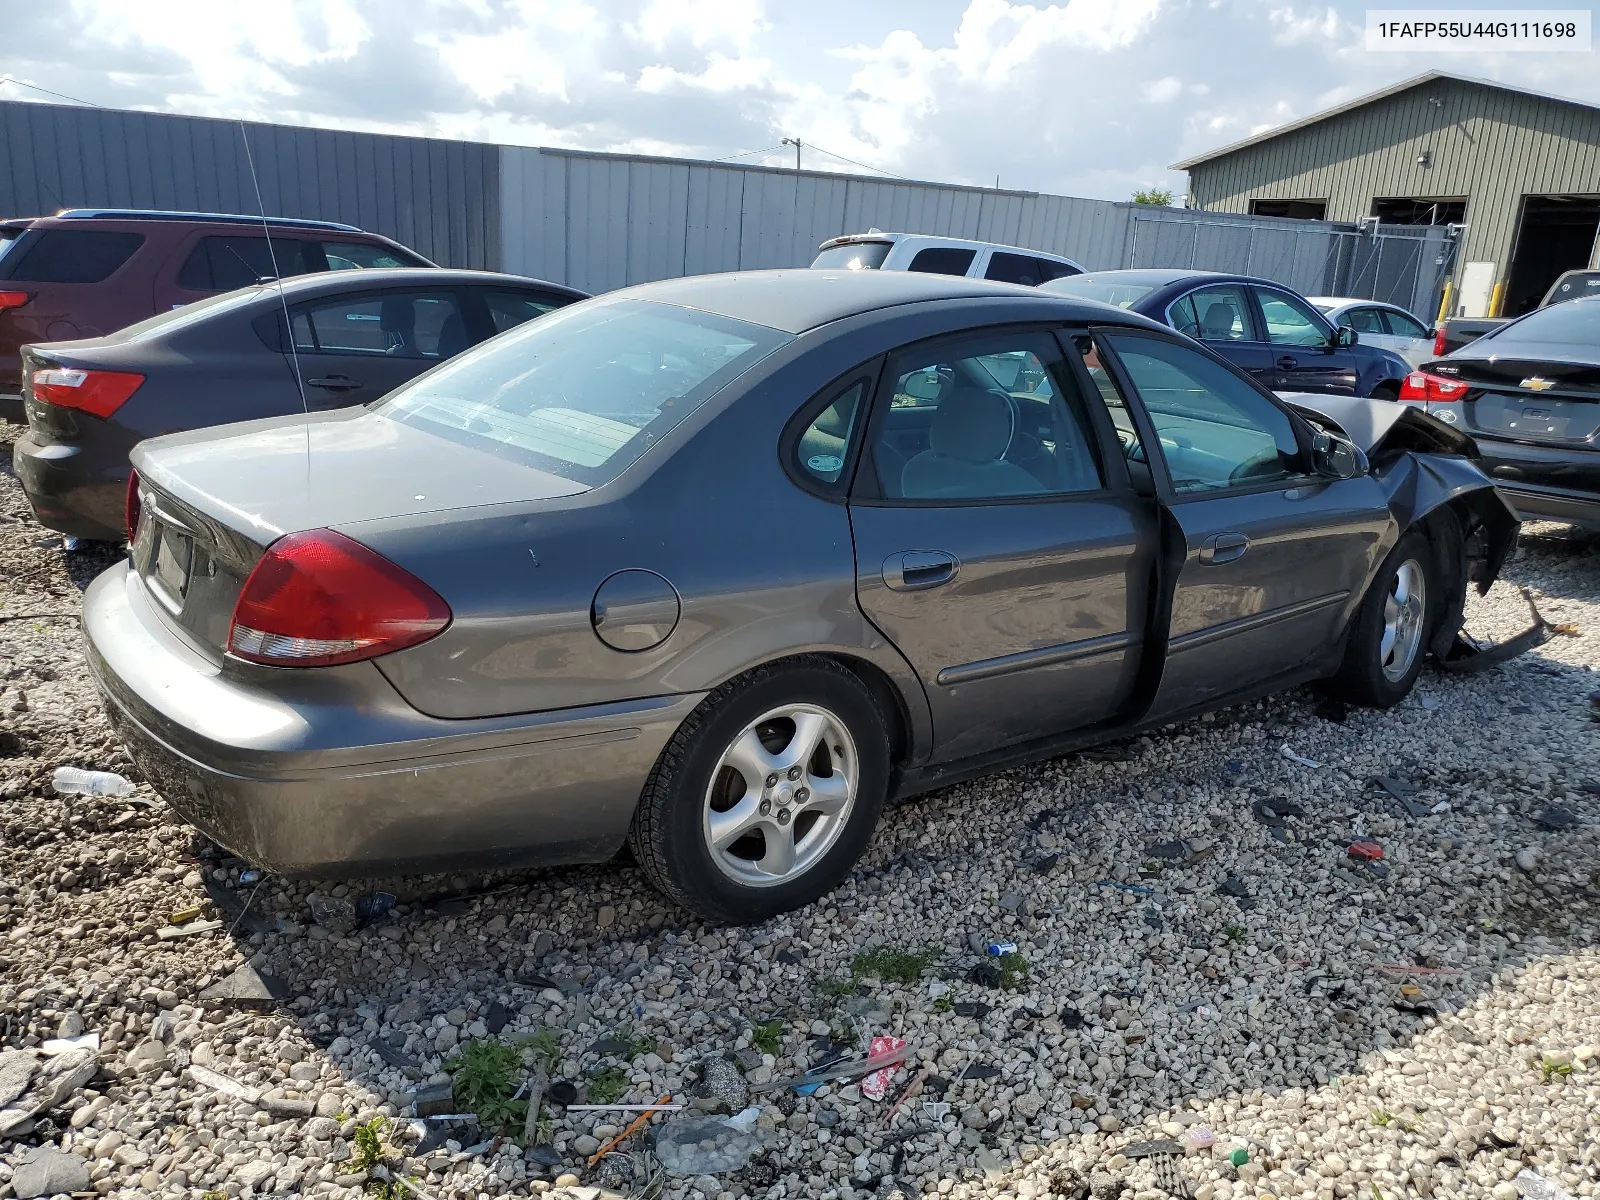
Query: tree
[(1161, 197)]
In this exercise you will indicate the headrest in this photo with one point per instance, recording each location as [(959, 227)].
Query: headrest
[(971, 425)]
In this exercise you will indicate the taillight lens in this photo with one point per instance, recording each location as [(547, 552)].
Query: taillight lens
[(98, 393), (1420, 386), (131, 507), (1438, 341), (14, 299), (318, 598)]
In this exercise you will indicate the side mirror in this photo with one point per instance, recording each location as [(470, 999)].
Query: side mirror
[(1335, 458), (1345, 336)]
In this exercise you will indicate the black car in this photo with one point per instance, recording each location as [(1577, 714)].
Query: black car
[(357, 335), (1529, 394), (1271, 331)]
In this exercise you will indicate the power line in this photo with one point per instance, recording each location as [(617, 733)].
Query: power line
[(58, 95), (853, 162), (747, 154)]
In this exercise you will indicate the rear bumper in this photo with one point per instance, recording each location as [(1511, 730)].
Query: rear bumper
[(1551, 505), (329, 772), (1551, 482), (71, 493)]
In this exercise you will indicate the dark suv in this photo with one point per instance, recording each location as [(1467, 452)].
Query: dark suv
[(88, 272)]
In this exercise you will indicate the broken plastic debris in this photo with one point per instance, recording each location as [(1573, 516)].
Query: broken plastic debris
[(246, 878), (1468, 655), (702, 1145), (937, 988), (1239, 1156), (371, 908), (876, 1085), (168, 932), (1533, 1186), (1201, 1138), (1365, 851), (1297, 758), (73, 781), (643, 1118), (221, 1083), (84, 1041), (183, 916), (990, 1164), (852, 1069), (1133, 889)]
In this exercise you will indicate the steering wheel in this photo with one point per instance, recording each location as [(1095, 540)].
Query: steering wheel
[(1262, 464)]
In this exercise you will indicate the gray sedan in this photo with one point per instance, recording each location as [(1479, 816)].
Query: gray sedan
[(716, 566)]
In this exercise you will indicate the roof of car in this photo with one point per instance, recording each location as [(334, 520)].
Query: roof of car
[(1154, 276), (1342, 301), (797, 300), (854, 239), (322, 282)]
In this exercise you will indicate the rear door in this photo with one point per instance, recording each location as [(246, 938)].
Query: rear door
[(355, 348), (1274, 557), (1302, 344), (1224, 317), (997, 546), (1408, 337)]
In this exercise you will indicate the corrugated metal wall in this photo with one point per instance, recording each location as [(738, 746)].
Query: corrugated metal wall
[(1489, 145), (439, 197)]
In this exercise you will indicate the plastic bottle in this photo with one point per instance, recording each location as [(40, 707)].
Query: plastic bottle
[(73, 781)]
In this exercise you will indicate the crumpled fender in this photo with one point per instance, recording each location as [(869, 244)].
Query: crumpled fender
[(1422, 464)]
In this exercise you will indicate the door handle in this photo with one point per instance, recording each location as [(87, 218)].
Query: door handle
[(1223, 547), (1288, 362), (336, 383), (917, 570)]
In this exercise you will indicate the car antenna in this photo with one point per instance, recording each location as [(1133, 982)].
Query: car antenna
[(288, 326)]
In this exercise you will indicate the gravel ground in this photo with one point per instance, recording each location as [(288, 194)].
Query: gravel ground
[(1201, 962)]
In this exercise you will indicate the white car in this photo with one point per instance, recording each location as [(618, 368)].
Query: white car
[(879, 251), (1380, 324)]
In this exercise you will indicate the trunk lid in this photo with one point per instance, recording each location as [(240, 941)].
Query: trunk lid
[(214, 499), (1530, 399)]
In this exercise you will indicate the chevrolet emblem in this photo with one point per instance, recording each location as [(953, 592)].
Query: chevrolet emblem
[(1535, 384)]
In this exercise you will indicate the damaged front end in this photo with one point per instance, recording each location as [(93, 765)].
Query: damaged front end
[(1429, 472)]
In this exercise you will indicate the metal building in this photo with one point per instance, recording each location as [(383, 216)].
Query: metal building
[(1514, 174), (602, 221)]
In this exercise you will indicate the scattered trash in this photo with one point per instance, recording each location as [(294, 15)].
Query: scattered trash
[(1133, 889), (850, 1069), (975, 1009), (990, 1164), (1533, 1186), (1168, 851), (1556, 818), (496, 1017), (1201, 1138), (1275, 812), (83, 1041), (221, 1083), (1429, 703), (658, 1106), (236, 912), (1238, 1156), (169, 932), (702, 1145), (643, 1118), (999, 949), (937, 988), (1045, 863), (1297, 758), (1235, 887), (73, 781), (246, 878), (183, 916), (330, 910), (1071, 1018), (373, 907), (911, 1088), (394, 1056), (985, 974), (561, 1093), (1467, 655), (1365, 851)]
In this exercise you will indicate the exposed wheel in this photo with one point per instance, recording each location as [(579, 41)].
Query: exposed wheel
[(766, 795), (1389, 637)]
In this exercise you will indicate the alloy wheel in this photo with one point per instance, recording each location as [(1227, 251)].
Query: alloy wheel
[(1404, 620)]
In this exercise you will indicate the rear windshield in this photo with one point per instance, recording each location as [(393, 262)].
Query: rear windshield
[(853, 256), (188, 314), (71, 256), (1570, 287), (1576, 323), (585, 391), (8, 240), (1107, 291)]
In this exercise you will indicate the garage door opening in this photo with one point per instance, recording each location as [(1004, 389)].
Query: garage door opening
[(1556, 235), (1406, 210), (1301, 210)]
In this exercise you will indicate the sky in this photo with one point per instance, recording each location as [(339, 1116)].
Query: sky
[(1085, 98)]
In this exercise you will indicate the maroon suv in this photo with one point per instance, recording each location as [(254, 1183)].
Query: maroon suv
[(88, 272)]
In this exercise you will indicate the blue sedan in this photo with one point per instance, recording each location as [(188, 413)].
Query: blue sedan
[(1275, 334)]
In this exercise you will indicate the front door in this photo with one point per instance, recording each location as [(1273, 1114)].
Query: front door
[(1224, 317), (353, 349), (1304, 347), (1274, 556), (993, 548)]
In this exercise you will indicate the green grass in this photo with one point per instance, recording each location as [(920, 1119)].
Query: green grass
[(1013, 972), (608, 1086), (370, 1145), (892, 966), (1234, 933), (768, 1038), (1381, 1119), (640, 1044), (1549, 1070), (943, 1004), (485, 1076), (836, 987), (546, 1047)]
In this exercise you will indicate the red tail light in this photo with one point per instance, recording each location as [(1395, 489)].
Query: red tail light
[(1420, 386), (1438, 341), (99, 393), (131, 507), (14, 299), (318, 598)]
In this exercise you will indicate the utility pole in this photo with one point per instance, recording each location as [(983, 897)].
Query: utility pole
[(795, 142)]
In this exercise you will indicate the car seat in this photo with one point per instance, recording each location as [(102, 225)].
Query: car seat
[(453, 336), (1218, 323), (968, 439), (397, 318)]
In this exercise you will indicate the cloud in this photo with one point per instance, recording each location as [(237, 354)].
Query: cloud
[(1159, 91)]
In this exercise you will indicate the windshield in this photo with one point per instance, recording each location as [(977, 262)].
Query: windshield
[(188, 314), (8, 239), (853, 256), (585, 391), (1093, 287), (1575, 323)]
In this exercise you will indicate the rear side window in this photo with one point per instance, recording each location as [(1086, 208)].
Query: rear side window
[(221, 264), (8, 241), (72, 256), (509, 309), (1214, 314), (942, 260), (397, 325), (1402, 325), (349, 256), (1363, 320), (853, 256), (1024, 269), (822, 449)]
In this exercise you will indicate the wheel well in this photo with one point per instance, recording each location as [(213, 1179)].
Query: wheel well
[(1389, 389), (890, 702)]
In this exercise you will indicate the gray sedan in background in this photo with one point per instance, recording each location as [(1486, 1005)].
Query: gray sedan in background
[(716, 566)]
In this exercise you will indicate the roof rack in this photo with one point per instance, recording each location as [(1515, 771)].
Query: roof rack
[(149, 214)]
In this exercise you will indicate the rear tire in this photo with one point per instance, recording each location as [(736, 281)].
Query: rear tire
[(766, 795), (1391, 630), (1386, 391)]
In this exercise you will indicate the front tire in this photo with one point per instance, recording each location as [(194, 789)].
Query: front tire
[(766, 795), (1390, 634)]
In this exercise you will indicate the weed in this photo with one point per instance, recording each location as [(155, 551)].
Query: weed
[(1549, 1070), (370, 1145), (608, 1086), (484, 1073), (1234, 933), (1381, 1118), (893, 966), (640, 1044), (1013, 971), (768, 1038), (943, 1004), (545, 1045), (836, 987), (1376, 1193)]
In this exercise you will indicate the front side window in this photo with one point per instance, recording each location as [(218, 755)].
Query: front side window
[(221, 264), (1404, 325), (350, 256), (1213, 314), (72, 256), (1362, 320), (992, 421), (1015, 268), (586, 390), (942, 260), (1215, 430), (395, 325), (507, 310), (1290, 322)]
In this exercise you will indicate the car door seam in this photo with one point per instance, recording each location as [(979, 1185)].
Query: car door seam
[(1212, 633)]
